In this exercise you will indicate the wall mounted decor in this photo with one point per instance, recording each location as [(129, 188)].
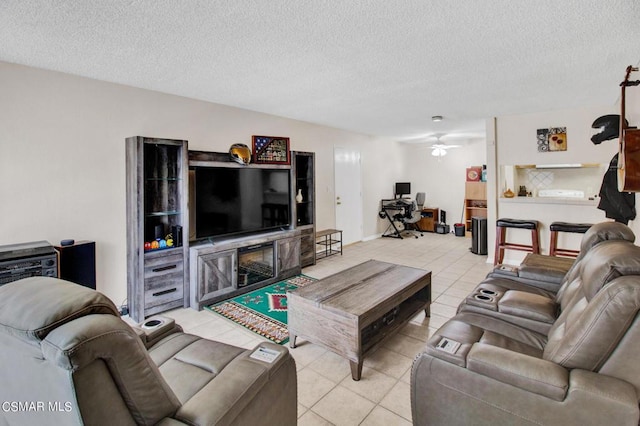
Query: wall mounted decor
[(271, 150), (552, 139)]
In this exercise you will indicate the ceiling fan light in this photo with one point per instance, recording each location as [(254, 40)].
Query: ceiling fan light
[(438, 152)]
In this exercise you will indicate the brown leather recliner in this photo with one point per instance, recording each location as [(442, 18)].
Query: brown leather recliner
[(67, 358), (478, 369)]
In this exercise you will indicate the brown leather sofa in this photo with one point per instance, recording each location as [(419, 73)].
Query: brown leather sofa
[(66, 357), (481, 369), (534, 308), (549, 273)]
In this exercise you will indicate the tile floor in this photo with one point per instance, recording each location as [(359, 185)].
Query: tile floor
[(326, 393)]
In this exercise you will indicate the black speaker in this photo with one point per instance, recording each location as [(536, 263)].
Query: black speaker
[(78, 263), (443, 216), (176, 232)]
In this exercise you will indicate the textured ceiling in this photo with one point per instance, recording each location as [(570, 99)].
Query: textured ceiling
[(376, 67)]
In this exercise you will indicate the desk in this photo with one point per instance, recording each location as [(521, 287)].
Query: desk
[(429, 219), (388, 209)]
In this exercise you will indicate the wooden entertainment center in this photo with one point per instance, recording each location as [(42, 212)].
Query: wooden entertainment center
[(221, 270), (165, 271)]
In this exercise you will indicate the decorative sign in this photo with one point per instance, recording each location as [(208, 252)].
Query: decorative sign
[(271, 150), (474, 174), (552, 139)]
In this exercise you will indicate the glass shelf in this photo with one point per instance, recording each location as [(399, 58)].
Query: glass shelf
[(167, 213), (168, 179), (162, 249)]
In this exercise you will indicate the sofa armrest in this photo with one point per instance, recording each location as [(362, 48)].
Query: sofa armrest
[(248, 387), (443, 393), (523, 371), (548, 275), (549, 280)]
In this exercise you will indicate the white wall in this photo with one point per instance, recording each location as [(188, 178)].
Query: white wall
[(62, 157), (62, 171), (516, 144), (442, 178)]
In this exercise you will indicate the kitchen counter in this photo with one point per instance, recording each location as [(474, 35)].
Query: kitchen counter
[(551, 200)]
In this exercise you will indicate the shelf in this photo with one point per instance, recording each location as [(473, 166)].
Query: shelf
[(557, 166), (157, 190), (475, 193), (322, 254), (166, 250), (328, 242), (400, 315), (303, 181), (167, 213), (550, 200), (328, 238)]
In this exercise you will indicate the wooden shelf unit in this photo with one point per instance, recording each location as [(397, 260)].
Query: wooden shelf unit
[(475, 202), (303, 181), (157, 188)]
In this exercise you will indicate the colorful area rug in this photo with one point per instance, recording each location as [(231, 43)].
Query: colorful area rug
[(263, 311)]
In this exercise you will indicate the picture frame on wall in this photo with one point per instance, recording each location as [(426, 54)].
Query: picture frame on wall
[(271, 150), (552, 139)]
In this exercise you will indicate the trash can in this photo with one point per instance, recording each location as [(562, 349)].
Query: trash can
[(459, 229), (479, 235)]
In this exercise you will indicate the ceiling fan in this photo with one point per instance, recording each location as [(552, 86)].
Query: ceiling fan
[(439, 149)]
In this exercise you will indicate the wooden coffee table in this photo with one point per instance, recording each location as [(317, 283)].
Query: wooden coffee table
[(355, 310)]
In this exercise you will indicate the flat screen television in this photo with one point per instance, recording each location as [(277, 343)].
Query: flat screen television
[(232, 200), (402, 188)]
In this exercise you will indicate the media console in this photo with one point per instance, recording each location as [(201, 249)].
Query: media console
[(235, 265), (176, 196)]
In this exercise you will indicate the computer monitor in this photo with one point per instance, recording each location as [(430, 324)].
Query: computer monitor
[(402, 188)]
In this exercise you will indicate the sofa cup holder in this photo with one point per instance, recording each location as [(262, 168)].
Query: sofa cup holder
[(483, 298), (154, 323), (486, 292)]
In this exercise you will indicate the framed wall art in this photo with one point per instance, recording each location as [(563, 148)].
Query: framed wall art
[(271, 150), (552, 139)]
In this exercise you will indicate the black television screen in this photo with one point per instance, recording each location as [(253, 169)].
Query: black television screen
[(402, 188), (240, 200)]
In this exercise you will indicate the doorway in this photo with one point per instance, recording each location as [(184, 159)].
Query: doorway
[(348, 193)]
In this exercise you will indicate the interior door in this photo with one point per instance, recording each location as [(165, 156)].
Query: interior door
[(348, 189)]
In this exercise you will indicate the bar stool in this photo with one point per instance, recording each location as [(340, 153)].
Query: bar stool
[(575, 228), (501, 237)]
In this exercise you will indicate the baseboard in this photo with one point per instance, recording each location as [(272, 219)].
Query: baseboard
[(372, 237)]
